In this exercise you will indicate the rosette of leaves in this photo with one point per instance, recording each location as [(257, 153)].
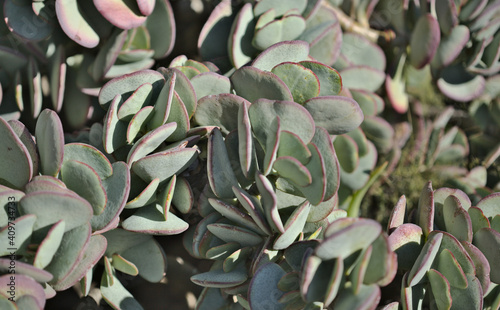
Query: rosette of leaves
[(234, 35), (130, 37), (345, 270), (271, 167), (447, 251), (61, 199), (452, 45), (147, 125)]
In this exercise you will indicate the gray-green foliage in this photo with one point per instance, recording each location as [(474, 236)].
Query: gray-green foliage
[(75, 46)]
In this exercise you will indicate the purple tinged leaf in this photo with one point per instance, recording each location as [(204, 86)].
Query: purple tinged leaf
[(163, 103), (487, 240), (24, 230), (73, 209), (426, 209), (145, 197), (481, 264), (35, 87), (292, 51), (75, 25), (58, 78), (83, 180), (232, 233), (447, 15), (361, 233), (74, 244), (95, 250), (138, 122), (425, 259), (450, 268), (271, 146), (290, 168), (28, 140), (292, 145), (28, 288), (289, 27), (164, 165), (117, 188), (489, 205), (324, 144), (253, 207), (234, 214), (151, 220), (315, 192), (220, 173), (120, 13), (457, 220), (329, 79), (201, 232), (124, 265), (336, 114), (212, 42), (263, 112), (220, 279), (471, 297), (440, 289), (183, 87), (246, 145), (49, 245), (89, 155), (323, 210), (219, 110), (302, 82), (397, 214), (150, 141), (210, 83), (406, 241), (269, 202), (165, 197), (280, 7), (129, 83), (348, 156), (184, 197), (26, 269), (252, 83), (16, 167), (451, 46), (424, 41), (359, 272), (293, 227), (240, 49), (161, 27)]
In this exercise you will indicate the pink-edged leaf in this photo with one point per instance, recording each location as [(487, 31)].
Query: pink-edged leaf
[(97, 246), (121, 13), (269, 202), (75, 25), (425, 259), (24, 287), (424, 41)]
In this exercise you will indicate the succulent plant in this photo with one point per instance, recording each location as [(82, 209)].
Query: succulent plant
[(64, 202), (448, 255), (449, 45), (114, 37)]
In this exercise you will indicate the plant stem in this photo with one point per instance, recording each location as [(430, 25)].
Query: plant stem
[(354, 206), (351, 25)]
